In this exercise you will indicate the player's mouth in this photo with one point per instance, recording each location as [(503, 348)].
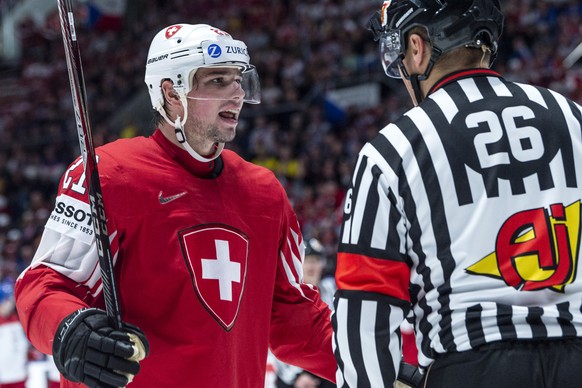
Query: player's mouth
[(230, 115)]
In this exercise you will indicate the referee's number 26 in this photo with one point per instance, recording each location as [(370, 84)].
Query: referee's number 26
[(525, 142)]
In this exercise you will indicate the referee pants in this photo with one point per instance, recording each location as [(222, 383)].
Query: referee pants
[(510, 364)]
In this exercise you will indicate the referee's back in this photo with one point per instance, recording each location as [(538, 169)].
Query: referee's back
[(463, 216)]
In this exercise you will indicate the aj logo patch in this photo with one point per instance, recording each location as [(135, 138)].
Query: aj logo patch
[(536, 249), (216, 256)]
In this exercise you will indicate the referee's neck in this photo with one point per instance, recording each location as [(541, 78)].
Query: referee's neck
[(440, 73)]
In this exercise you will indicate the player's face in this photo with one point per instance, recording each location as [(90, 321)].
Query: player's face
[(312, 269), (214, 106)]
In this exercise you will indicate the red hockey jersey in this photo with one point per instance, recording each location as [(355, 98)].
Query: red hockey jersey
[(208, 260)]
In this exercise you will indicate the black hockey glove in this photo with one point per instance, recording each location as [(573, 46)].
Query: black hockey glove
[(88, 350), (408, 376)]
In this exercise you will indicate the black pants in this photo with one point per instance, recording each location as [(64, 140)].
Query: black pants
[(514, 364)]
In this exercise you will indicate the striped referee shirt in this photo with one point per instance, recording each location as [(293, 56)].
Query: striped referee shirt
[(463, 214)]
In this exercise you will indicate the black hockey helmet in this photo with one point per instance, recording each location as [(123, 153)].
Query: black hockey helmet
[(314, 247), (449, 24)]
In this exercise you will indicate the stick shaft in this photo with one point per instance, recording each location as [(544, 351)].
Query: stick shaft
[(79, 95), (573, 57)]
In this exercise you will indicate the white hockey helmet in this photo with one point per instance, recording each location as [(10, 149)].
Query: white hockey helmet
[(178, 50)]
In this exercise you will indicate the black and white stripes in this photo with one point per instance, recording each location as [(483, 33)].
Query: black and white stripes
[(429, 198)]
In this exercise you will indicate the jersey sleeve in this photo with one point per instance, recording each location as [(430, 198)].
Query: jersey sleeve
[(372, 276), (300, 321), (64, 274)]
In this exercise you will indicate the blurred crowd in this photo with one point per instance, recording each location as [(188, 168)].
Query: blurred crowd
[(303, 49)]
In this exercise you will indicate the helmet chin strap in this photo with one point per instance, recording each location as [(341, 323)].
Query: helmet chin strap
[(415, 82), (416, 78), (181, 135)]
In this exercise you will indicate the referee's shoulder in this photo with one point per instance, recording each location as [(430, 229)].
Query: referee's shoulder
[(400, 124)]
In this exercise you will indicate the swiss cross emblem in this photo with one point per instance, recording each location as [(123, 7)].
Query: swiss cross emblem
[(171, 31), (216, 256), (220, 32)]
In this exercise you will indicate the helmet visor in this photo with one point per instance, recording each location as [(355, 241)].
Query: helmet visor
[(225, 82), (390, 53), (231, 54), (251, 85)]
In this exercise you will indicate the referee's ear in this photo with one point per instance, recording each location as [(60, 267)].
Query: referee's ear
[(418, 53)]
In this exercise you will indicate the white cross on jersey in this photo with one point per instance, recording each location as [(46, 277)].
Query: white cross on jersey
[(222, 269)]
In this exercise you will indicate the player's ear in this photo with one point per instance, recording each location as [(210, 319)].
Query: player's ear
[(170, 95)]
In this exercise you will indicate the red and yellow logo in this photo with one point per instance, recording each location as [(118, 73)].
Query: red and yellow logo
[(535, 249), (384, 12)]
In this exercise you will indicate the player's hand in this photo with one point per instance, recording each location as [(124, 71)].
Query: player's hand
[(88, 350)]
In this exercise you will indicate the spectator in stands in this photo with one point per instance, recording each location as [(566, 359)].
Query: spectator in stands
[(13, 343)]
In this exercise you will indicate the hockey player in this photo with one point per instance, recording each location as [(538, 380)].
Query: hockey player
[(13, 343), (207, 249), (465, 210)]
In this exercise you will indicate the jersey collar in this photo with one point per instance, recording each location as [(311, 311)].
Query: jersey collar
[(206, 170), (461, 74)]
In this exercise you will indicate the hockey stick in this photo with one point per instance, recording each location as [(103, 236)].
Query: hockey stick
[(99, 219), (573, 57)]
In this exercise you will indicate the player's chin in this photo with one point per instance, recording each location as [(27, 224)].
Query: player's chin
[(227, 126), (226, 135)]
